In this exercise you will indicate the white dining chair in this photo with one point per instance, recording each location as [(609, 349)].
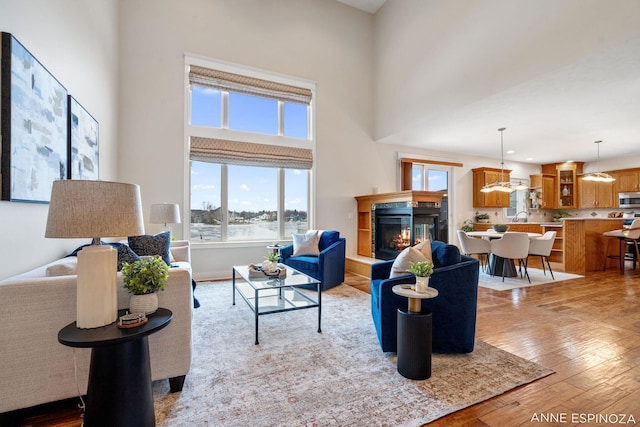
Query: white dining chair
[(513, 246), (472, 246), (541, 246)]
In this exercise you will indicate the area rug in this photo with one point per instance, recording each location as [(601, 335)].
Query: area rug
[(537, 278), (340, 377)]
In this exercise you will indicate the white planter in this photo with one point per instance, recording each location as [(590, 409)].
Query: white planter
[(422, 283), (147, 303)]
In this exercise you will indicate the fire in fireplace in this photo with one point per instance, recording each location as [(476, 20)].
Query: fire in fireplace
[(403, 224)]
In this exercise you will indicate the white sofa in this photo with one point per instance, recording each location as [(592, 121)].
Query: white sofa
[(34, 306)]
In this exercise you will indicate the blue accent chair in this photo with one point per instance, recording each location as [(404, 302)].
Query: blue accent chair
[(455, 276), (327, 267)]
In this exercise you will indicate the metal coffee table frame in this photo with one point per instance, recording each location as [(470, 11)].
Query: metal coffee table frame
[(275, 295)]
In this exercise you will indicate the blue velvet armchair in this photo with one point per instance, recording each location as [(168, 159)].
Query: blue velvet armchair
[(455, 276), (327, 267)]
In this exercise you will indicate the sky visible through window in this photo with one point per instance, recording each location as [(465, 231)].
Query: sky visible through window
[(250, 188)]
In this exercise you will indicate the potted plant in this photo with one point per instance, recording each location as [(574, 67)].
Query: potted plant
[(483, 218), (422, 270), (143, 279), (467, 226)]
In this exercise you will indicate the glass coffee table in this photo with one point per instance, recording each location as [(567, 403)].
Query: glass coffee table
[(268, 295)]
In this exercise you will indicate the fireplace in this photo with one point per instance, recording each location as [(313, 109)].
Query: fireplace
[(399, 225)]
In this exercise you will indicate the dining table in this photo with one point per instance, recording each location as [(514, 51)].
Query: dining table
[(498, 264)]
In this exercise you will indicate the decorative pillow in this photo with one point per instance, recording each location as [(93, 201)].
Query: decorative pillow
[(125, 254), (152, 245), (404, 260), (306, 244), (425, 248), (445, 254)]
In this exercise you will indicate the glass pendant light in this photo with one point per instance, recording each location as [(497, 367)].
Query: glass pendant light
[(598, 176), (501, 185)]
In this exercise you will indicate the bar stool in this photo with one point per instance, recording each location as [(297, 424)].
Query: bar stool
[(627, 238)]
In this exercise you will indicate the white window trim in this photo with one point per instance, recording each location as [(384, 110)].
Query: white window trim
[(191, 59)]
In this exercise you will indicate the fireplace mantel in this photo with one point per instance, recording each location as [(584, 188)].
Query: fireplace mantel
[(366, 202)]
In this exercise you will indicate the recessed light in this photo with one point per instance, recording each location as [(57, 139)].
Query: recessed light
[(510, 152)]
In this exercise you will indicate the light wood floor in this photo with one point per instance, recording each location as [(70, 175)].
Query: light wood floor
[(587, 330)]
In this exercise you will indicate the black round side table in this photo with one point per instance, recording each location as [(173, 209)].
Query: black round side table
[(120, 390)]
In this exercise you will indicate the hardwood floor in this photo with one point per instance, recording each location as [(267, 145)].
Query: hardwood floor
[(587, 330)]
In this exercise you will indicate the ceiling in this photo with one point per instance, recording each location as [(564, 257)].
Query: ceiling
[(553, 115), (370, 6)]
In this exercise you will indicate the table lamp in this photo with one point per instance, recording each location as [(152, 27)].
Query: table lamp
[(165, 213), (95, 209)]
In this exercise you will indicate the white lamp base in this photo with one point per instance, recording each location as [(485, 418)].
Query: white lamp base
[(97, 299)]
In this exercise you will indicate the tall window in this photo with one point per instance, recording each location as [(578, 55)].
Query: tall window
[(251, 152)]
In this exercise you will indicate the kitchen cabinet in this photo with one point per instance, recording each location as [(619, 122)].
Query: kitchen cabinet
[(494, 199), (544, 186), (626, 180), (595, 194), (566, 186)]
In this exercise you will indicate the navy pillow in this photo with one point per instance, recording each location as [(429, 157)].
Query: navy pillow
[(328, 238), (147, 245), (444, 254), (125, 254)]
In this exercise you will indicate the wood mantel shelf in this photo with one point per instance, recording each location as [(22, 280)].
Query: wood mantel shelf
[(366, 202)]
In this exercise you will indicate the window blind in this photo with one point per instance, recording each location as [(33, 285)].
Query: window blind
[(249, 154), (222, 80)]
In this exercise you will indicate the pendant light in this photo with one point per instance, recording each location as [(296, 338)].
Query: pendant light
[(598, 176), (501, 185)]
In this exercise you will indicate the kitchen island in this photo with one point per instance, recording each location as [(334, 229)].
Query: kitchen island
[(584, 245)]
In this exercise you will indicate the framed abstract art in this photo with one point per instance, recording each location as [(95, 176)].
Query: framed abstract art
[(33, 124), (83, 142)]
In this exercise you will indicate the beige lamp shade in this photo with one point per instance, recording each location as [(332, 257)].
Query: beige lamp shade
[(94, 209), (165, 213)]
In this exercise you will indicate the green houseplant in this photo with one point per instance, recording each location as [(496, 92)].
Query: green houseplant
[(483, 217), (422, 270), (143, 279)]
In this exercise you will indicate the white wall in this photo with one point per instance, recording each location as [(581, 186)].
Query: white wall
[(77, 42), (322, 41)]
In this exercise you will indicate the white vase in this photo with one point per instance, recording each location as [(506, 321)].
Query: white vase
[(422, 283), (147, 303)]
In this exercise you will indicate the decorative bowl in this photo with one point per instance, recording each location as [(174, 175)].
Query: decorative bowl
[(500, 228)]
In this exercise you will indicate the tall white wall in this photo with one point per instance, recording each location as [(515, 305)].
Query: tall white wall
[(77, 42), (322, 41)]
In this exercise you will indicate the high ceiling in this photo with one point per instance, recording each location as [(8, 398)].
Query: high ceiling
[(584, 87), (370, 6)]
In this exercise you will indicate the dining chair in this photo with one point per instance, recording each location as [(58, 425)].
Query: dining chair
[(472, 246), (541, 246), (513, 246)]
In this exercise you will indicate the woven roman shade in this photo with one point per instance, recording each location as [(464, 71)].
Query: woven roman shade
[(222, 80), (249, 154)]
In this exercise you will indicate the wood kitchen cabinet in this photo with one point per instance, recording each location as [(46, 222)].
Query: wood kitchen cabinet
[(545, 187), (595, 194), (494, 199), (566, 186), (626, 180)]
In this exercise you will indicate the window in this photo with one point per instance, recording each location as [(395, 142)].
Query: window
[(251, 153), (518, 200), (429, 178)]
